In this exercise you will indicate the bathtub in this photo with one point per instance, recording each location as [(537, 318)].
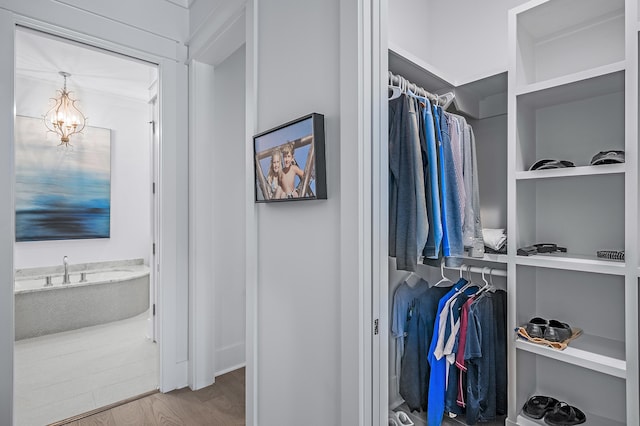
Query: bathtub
[(112, 291)]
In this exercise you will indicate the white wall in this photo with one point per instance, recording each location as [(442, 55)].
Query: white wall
[(408, 26), (464, 39), (299, 290), (127, 119), (228, 211)]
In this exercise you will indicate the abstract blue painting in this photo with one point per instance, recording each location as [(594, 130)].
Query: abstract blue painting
[(62, 193)]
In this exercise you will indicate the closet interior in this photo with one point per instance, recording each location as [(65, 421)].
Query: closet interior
[(569, 93), (483, 104)]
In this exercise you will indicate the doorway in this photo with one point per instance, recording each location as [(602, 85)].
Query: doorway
[(72, 354)]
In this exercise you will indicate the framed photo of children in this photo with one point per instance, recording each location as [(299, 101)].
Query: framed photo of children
[(290, 162)]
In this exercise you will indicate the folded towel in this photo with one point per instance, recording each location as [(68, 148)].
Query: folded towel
[(494, 238)]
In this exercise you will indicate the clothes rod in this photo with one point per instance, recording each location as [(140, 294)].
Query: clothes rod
[(404, 84), (497, 272)]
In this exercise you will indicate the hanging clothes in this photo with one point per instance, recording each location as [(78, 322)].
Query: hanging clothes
[(451, 187), (453, 350), (415, 370), (431, 178), (433, 184), (472, 228), (408, 225)]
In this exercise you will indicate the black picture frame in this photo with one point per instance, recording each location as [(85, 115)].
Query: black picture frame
[(290, 161)]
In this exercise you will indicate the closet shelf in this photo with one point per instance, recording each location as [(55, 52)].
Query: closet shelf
[(567, 80), (583, 85), (587, 351), (488, 257), (603, 169), (592, 419), (573, 262), (547, 21)]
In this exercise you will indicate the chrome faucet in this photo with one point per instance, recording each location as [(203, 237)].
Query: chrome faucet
[(65, 279)]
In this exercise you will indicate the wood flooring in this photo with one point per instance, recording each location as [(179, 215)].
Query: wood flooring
[(220, 404)]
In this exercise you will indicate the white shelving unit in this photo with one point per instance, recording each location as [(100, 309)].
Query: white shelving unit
[(593, 352), (592, 420), (572, 93), (573, 262), (603, 169)]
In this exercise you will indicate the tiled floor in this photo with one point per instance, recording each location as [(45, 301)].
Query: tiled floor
[(64, 374)]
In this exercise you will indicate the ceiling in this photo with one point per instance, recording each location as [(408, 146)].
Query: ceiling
[(41, 56)]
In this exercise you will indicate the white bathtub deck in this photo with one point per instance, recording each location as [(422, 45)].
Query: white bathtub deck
[(61, 375)]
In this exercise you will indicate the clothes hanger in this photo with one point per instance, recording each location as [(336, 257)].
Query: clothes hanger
[(444, 278), (412, 279), (487, 284), (396, 91), (469, 280), (448, 99)]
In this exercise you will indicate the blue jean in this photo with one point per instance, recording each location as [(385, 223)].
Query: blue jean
[(452, 244)]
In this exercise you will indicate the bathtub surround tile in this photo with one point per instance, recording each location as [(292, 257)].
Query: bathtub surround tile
[(64, 374), (61, 308), (43, 271)]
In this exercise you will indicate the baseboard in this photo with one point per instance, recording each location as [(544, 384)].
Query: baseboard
[(229, 358), (230, 369)]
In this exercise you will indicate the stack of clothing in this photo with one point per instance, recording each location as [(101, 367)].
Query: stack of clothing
[(495, 240)]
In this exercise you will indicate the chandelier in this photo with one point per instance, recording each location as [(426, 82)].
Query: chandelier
[(64, 118)]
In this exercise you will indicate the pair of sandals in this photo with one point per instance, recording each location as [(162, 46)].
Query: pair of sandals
[(399, 418), (555, 413), (552, 330)]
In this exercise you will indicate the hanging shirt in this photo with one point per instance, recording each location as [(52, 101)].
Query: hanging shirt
[(472, 227), (460, 362), (431, 180), (403, 159), (437, 378), (422, 222), (480, 357), (457, 142), (415, 369)]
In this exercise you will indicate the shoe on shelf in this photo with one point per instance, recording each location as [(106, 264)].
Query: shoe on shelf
[(537, 406), (557, 331), (564, 415), (403, 418), (536, 327)]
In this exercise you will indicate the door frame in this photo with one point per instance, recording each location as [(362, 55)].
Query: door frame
[(173, 164)]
